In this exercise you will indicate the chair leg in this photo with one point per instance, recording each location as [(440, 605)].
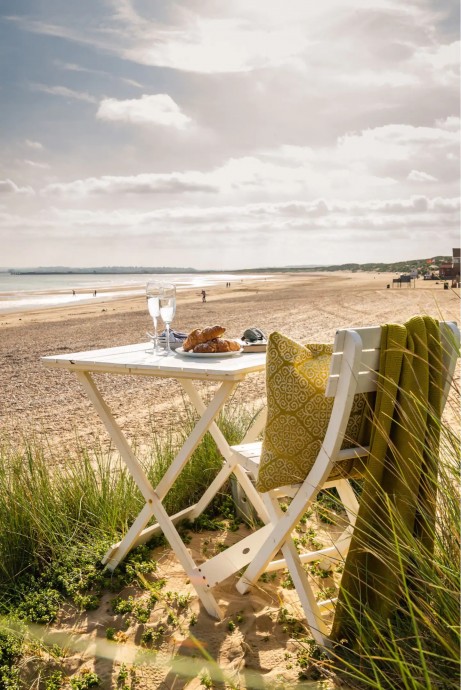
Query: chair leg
[(350, 504), (306, 596), (299, 576)]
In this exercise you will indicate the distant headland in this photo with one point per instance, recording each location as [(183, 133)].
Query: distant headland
[(397, 267)]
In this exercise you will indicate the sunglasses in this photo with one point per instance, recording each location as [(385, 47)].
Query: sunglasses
[(252, 335)]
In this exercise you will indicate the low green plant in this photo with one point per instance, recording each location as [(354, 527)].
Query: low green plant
[(40, 606), (110, 633), (11, 649), (290, 624), (55, 681), (122, 606), (287, 581), (85, 680), (122, 677), (205, 680)]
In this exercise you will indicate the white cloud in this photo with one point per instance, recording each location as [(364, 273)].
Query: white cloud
[(36, 145), (157, 109), (394, 141), (174, 183), (72, 67), (451, 123), (419, 176), (355, 167), (375, 79), (9, 187), (220, 45), (247, 235), (34, 164), (389, 213), (65, 92), (246, 176)]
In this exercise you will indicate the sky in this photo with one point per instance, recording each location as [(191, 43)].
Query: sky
[(226, 135)]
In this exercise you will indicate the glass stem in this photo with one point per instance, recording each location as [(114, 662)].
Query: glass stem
[(155, 346), (168, 348)]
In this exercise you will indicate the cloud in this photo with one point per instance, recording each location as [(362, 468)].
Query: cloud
[(34, 164), (72, 67), (9, 187), (174, 183), (220, 45), (248, 235), (358, 164), (451, 123), (395, 141), (419, 176), (382, 214), (158, 109), (36, 145), (65, 92)]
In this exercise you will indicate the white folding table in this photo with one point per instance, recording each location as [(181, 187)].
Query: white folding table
[(137, 360)]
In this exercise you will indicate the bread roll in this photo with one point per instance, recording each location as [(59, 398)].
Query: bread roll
[(224, 345), (234, 346), (205, 348), (198, 336)]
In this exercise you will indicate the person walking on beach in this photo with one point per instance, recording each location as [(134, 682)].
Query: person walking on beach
[(94, 293), (203, 296)]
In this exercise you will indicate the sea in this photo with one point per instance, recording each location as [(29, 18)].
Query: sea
[(40, 291)]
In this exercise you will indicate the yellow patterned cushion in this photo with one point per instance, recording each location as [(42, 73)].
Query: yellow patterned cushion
[(297, 411)]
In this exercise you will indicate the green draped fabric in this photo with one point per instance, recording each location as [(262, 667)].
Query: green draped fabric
[(398, 498)]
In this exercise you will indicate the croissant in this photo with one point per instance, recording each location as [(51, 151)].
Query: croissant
[(198, 336), (226, 345), (217, 345), (234, 346), (208, 347)]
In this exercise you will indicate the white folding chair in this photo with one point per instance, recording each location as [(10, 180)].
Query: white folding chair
[(353, 370)]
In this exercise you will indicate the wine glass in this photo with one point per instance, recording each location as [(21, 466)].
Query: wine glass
[(168, 309), (153, 292)]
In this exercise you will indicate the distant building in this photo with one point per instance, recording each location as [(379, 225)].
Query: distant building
[(451, 270), (404, 278), (456, 252), (446, 271)]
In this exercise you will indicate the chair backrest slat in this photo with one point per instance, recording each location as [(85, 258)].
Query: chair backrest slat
[(369, 360), (370, 335), (366, 375), (366, 383), (450, 337)]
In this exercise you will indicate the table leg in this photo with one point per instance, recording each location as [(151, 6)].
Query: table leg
[(137, 534), (229, 465), (116, 435)]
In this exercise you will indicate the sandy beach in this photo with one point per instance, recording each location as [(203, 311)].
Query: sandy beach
[(253, 641), (50, 405)]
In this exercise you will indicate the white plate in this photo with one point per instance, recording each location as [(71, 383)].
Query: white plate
[(209, 355)]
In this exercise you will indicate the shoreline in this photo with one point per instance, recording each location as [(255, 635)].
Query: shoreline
[(41, 294), (115, 296)]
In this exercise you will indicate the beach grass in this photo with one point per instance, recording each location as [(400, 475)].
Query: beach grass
[(417, 646), (57, 522)]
